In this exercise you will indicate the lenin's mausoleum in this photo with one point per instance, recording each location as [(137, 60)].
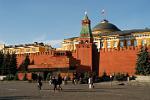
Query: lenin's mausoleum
[(103, 48)]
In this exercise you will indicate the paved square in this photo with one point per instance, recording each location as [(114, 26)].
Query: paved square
[(20, 90)]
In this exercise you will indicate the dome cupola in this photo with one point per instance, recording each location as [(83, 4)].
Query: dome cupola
[(104, 27)]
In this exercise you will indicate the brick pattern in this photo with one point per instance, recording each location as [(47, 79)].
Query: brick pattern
[(49, 60), (120, 60), (111, 61), (84, 54)]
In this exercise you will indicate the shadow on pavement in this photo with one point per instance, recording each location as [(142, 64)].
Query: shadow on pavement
[(86, 90), (16, 97), (76, 90)]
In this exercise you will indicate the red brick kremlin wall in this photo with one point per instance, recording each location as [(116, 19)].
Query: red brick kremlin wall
[(121, 60), (48, 60), (111, 61), (84, 54)]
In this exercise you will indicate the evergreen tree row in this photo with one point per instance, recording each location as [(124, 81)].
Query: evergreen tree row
[(8, 64), (143, 62)]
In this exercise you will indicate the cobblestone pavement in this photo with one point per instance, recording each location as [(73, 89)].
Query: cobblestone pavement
[(22, 90)]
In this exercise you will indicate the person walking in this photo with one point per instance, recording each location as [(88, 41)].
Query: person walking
[(65, 80), (50, 80), (59, 82), (90, 82), (39, 80), (54, 81)]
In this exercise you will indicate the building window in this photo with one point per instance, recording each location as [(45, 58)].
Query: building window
[(128, 43), (22, 50), (33, 49), (108, 44), (17, 51), (27, 50), (81, 42), (121, 44), (101, 45), (86, 41), (135, 42), (143, 42), (115, 44)]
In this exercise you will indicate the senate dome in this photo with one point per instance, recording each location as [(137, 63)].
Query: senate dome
[(104, 27)]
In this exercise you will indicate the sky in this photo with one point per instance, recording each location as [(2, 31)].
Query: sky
[(51, 21)]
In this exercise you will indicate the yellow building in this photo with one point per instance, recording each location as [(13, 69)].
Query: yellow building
[(69, 44), (27, 48), (2, 46), (107, 35)]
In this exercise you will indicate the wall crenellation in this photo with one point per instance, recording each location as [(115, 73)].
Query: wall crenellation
[(51, 53), (129, 48)]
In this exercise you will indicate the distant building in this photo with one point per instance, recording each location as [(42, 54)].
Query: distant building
[(2, 46), (69, 44), (117, 49), (27, 48), (107, 35)]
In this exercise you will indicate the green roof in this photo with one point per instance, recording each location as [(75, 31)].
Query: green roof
[(86, 28), (105, 26)]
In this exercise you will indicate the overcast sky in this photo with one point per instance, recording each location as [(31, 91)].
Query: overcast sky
[(51, 21)]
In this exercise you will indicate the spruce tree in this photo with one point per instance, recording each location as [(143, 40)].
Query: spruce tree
[(24, 66), (13, 64), (1, 61), (143, 62), (6, 63)]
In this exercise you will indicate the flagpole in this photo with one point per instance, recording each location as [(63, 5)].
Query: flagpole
[(103, 14)]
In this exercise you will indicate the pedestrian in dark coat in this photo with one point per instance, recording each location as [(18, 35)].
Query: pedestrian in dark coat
[(39, 80), (54, 81), (59, 82)]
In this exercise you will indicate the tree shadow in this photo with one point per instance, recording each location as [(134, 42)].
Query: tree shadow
[(97, 89), (83, 90), (17, 97), (110, 88)]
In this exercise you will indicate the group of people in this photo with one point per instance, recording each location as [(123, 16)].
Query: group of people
[(57, 81)]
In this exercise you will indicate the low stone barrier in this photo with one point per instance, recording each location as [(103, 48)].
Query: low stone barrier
[(2, 78), (143, 78)]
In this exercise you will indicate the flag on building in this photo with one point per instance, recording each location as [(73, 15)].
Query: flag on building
[(103, 12)]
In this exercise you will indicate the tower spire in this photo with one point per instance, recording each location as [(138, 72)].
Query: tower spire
[(86, 27), (85, 12), (86, 16)]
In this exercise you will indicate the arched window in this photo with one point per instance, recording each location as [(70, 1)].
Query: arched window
[(108, 44), (101, 45), (86, 41), (115, 44), (81, 41), (121, 44), (128, 43), (143, 42), (135, 43)]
